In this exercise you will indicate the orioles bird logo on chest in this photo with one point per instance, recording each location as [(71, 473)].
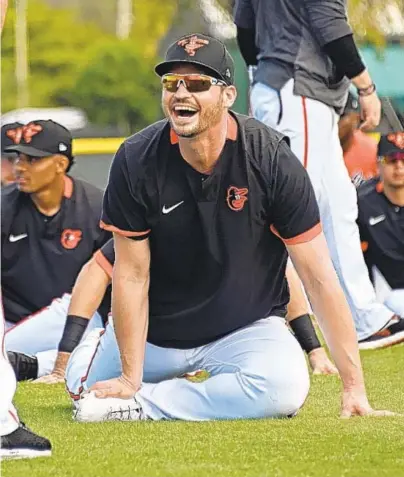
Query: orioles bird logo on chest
[(70, 238), (236, 198)]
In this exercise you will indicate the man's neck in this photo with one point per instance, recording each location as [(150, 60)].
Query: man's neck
[(203, 151), (48, 200), (395, 195)]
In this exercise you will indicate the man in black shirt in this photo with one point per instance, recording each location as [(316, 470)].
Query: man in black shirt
[(381, 227), (205, 207), (49, 230), (306, 58)]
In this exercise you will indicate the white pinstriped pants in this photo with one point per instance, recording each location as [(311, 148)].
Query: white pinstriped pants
[(312, 128), (8, 414)]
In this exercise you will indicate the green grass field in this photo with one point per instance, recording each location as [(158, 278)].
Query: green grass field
[(315, 443)]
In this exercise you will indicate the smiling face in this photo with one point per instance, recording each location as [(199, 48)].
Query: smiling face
[(190, 114)]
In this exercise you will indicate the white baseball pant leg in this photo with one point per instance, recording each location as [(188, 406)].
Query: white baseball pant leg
[(39, 334), (393, 299), (258, 371), (312, 128), (8, 415)]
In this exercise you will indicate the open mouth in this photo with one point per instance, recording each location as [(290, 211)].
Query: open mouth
[(184, 112)]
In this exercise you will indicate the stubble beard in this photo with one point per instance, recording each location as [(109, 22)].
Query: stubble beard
[(207, 118)]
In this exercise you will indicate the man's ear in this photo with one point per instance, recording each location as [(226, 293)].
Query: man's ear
[(229, 96), (62, 163)]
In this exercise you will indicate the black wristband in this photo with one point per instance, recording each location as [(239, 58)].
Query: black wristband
[(74, 329), (366, 91), (305, 333)]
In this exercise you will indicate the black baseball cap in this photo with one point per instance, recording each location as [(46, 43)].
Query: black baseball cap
[(5, 140), (391, 143), (41, 138), (200, 50)]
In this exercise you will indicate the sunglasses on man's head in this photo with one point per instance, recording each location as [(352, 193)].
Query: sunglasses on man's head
[(194, 83), (392, 158)]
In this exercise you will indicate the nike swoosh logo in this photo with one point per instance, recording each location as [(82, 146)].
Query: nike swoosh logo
[(16, 238), (376, 220), (167, 210)]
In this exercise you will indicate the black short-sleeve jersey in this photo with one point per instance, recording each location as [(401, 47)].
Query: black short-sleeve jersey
[(41, 256), (217, 259), (381, 227)]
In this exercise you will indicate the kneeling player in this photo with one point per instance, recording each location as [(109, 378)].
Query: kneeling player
[(204, 208), (49, 230)]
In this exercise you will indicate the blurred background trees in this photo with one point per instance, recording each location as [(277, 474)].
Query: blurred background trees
[(99, 55)]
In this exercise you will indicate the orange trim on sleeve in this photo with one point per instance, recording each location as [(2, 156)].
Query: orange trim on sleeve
[(124, 233), (379, 187), (103, 262), (301, 238), (68, 192), (364, 246), (306, 133)]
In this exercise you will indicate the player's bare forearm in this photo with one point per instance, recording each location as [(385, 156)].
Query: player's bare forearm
[(58, 373), (61, 363), (369, 101), (363, 80), (297, 305), (130, 305), (89, 290), (313, 264)]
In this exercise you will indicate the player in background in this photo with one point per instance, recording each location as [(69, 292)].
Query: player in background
[(7, 158), (381, 227), (306, 59), (360, 160), (205, 207), (49, 230), (92, 288), (16, 440), (359, 149)]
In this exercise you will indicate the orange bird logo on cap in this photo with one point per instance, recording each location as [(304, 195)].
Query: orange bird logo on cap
[(192, 43), (397, 139), (24, 132)]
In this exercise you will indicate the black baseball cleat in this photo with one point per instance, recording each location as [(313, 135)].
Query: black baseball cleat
[(25, 367), (24, 444), (391, 334)]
